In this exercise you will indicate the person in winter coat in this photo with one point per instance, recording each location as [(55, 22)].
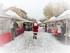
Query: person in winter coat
[(35, 30), (12, 27), (45, 27), (59, 30)]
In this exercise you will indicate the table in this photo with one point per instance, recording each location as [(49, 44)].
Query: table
[(19, 31), (54, 31), (5, 38)]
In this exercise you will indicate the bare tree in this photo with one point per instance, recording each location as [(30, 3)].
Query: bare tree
[(48, 11), (54, 10)]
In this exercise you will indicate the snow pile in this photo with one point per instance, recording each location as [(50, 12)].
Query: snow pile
[(45, 43)]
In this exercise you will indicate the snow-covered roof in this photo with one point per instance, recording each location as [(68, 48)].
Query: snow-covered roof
[(13, 15), (64, 15), (52, 19), (39, 22), (3, 15), (27, 21)]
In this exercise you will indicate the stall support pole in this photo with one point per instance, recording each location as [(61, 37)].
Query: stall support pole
[(66, 34)]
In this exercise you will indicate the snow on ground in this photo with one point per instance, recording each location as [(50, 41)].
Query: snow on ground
[(45, 43)]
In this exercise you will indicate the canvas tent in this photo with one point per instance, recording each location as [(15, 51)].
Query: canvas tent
[(13, 15), (51, 19), (66, 17), (17, 18), (3, 15), (4, 22), (38, 22)]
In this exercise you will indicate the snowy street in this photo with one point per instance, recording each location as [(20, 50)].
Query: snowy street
[(21, 20), (45, 43)]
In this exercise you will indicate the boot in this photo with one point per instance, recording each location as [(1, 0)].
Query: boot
[(35, 37)]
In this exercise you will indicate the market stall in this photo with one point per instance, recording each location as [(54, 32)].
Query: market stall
[(27, 25), (65, 17), (64, 21), (5, 35), (17, 19), (51, 25)]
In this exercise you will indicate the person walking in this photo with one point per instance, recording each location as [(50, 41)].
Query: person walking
[(35, 30)]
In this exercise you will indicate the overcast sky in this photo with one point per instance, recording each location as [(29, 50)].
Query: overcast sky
[(34, 8)]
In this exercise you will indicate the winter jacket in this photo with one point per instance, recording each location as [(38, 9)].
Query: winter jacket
[(35, 28), (59, 29)]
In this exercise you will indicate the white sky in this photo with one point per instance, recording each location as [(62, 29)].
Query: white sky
[(34, 8)]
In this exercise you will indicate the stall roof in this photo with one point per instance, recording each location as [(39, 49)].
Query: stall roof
[(13, 15), (28, 21), (52, 19), (3, 15), (64, 15)]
